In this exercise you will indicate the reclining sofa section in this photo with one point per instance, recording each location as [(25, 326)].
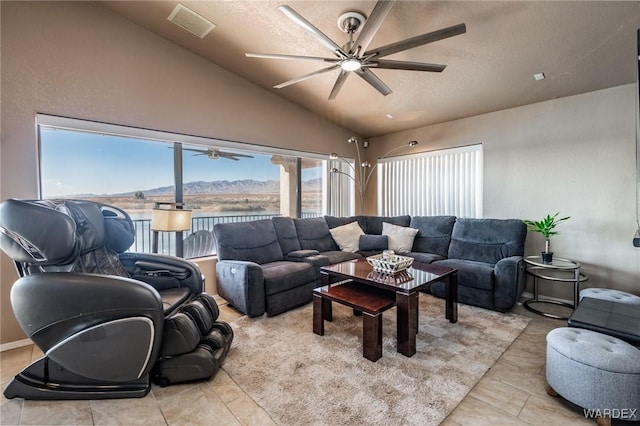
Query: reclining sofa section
[(272, 265)]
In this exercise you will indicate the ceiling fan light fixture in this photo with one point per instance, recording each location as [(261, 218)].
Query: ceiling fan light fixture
[(351, 64)]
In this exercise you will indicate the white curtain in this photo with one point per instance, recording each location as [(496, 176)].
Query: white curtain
[(443, 182)]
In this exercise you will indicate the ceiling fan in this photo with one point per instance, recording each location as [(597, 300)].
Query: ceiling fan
[(214, 154), (354, 56)]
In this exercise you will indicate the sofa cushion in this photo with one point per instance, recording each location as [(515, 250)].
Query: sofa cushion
[(313, 234), (281, 276), (347, 236), (424, 257), (487, 240), (434, 234), (471, 273), (374, 223), (370, 242), (400, 237), (286, 233), (254, 241)]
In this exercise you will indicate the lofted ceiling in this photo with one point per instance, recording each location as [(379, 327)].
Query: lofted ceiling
[(579, 46)]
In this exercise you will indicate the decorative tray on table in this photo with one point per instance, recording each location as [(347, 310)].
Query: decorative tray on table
[(389, 263)]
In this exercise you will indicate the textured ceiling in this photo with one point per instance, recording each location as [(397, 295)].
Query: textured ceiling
[(580, 47)]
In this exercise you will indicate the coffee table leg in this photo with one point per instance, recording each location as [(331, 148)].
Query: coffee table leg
[(327, 310), (318, 315), (407, 314), (372, 336), (451, 298)]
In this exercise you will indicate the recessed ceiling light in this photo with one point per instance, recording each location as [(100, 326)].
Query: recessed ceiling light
[(389, 115), (539, 76)]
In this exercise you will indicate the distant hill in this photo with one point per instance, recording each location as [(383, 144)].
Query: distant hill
[(248, 186)]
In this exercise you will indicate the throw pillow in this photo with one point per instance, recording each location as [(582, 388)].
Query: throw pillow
[(347, 236), (400, 237), (370, 242)]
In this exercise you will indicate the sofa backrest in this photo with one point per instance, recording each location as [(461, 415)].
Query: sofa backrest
[(254, 241), (487, 240), (335, 221), (434, 234), (313, 234), (286, 233), (374, 223), (371, 225)]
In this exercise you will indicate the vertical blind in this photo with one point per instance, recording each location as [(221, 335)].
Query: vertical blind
[(341, 189), (443, 182)]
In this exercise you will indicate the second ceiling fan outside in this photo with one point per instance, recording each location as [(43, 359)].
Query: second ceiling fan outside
[(355, 57)]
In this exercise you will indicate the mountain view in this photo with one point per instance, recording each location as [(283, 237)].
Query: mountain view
[(246, 186)]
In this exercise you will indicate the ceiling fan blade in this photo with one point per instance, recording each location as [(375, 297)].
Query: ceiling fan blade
[(405, 65), (233, 154), (372, 25), (306, 76), (276, 56), (416, 41), (373, 80), (339, 83), (319, 35)]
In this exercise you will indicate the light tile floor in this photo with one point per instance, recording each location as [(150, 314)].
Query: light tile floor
[(512, 392)]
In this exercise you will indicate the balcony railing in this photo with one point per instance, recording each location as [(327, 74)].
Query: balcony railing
[(166, 240)]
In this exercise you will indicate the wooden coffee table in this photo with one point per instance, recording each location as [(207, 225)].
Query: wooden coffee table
[(406, 286), (370, 302)]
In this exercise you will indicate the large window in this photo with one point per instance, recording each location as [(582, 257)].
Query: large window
[(443, 182), (135, 168)]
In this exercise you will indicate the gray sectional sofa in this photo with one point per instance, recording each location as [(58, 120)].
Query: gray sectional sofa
[(272, 265)]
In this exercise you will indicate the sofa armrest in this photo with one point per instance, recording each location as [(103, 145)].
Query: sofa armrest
[(241, 283), (510, 282), (300, 255)]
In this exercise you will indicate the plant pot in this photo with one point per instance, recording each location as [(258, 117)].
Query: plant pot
[(547, 257)]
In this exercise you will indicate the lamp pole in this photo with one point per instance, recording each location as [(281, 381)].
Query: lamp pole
[(362, 174)]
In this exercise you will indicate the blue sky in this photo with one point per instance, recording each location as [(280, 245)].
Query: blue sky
[(87, 163)]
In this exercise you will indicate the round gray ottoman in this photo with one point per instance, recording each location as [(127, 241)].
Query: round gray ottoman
[(610, 294), (595, 371)]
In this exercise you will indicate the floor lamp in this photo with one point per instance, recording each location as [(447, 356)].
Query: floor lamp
[(170, 217)]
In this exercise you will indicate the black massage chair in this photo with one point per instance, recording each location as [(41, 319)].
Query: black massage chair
[(107, 321)]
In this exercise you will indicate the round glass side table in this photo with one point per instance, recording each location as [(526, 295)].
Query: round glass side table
[(559, 270)]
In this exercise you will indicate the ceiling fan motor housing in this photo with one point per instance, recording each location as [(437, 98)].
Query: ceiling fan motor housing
[(350, 22)]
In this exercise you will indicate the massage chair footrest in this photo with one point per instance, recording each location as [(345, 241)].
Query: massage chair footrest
[(201, 363)]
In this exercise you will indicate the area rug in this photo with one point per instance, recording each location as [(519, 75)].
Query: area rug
[(300, 378)]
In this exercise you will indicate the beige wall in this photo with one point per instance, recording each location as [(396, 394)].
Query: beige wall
[(575, 155), (82, 61)]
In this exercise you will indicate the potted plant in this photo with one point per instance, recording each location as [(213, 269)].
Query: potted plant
[(546, 227)]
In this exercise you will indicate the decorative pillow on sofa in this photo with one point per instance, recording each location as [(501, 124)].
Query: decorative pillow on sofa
[(400, 237), (370, 242), (347, 236)]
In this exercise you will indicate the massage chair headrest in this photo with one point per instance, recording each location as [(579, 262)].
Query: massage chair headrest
[(54, 232)]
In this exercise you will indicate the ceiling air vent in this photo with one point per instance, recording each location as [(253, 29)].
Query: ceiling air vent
[(191, 21)]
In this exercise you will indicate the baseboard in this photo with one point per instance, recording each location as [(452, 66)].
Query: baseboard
[(15, 345)]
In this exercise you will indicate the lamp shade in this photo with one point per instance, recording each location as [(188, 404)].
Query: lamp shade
[(170, 220)]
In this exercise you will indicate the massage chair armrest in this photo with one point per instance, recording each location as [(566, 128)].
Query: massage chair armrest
[(51, 307), (509, 282), (163, 272), (241, 283)]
